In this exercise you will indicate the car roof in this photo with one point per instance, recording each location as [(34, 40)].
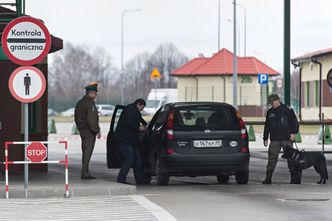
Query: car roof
[(195, 103)]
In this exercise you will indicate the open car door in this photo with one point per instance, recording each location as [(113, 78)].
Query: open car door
[(111, 154)]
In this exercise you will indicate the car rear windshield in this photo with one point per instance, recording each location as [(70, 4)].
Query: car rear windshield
[(205, 117)]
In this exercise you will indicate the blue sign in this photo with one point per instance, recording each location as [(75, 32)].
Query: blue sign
[(331, 89), (263, 78)]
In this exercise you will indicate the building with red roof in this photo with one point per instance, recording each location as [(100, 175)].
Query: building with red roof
[(211, 79), (315, 92)]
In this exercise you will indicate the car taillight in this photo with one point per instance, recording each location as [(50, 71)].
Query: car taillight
[(244, 150), (170, 126), (244, 134), (170, 151)]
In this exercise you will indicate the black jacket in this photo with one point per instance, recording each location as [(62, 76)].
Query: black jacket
[(280, 123), (128, 126)]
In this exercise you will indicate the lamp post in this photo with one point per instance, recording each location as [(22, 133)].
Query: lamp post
[(239, 36), (234, 58), (122, 44), (245, 27)]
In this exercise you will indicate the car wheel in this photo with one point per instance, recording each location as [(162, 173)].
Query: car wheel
[(162, 178), (223, 179), (242, 177)]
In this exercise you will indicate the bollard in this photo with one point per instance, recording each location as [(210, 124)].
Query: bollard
[(51, 127), (327, 135), (251, 134), (75, 129)]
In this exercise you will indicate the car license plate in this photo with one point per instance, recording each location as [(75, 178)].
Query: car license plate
[(207, 143)]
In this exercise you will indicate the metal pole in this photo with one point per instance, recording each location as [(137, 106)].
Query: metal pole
[(122, 51), (122, 74), (245, 27), (219, 26), (287, 79), (234, 59), (26, 139)]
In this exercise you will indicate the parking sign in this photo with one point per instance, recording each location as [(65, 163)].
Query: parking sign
[(263, 78)]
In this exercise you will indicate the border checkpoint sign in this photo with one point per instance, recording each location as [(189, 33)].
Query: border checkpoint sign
[(27, 84), (26, 41)]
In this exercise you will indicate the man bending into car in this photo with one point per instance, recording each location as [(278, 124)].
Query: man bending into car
[(126, 137)]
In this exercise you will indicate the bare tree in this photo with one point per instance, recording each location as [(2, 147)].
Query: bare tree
[(74, 67)]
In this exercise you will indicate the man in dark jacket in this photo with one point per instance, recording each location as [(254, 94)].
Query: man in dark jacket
[(126, 136), (282, 126), (87, 122)]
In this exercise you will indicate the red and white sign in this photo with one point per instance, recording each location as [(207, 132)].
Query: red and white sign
[(26, 41), (36, 152), (27, 84)]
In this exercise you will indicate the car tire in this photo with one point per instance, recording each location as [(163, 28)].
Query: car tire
[(162, 178), (242, 177), (223, 179)]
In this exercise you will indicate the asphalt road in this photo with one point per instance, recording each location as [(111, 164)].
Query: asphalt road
[(198, 198)]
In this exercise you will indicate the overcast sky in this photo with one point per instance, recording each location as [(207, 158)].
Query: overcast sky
[(190, 24)]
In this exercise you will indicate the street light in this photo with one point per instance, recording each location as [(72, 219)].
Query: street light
[(234, 58), (245, 27), (122, 42), (239, 39)]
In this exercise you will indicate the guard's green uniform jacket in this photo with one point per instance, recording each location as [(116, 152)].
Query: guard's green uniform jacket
[(87, 122), (86, 115)]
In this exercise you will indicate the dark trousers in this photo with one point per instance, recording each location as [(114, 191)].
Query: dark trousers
[(273, 153), (88, 144), (130, 158)]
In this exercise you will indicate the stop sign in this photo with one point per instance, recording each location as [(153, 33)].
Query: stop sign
[(36, 152)]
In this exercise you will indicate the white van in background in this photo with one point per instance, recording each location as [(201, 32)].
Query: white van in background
[(158, 97)]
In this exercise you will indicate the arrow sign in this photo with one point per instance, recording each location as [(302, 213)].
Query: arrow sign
[(26, 41)]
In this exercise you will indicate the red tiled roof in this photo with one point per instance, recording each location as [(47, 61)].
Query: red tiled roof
[(221, 63), (313, 54)]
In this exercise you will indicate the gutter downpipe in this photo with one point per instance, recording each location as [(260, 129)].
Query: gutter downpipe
[(314, 59), (299, 65)]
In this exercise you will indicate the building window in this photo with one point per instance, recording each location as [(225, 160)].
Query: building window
[(317, 93), (307, 89)]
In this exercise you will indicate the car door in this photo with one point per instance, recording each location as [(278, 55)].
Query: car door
[(111, 153)]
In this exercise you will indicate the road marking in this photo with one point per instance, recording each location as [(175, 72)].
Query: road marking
[(84, 208)]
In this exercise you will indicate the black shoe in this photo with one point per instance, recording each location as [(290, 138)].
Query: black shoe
[(268, 179), (124, 182), (88, 177)]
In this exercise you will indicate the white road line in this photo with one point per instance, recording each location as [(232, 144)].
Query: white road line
[(159, 212), (84, 208)]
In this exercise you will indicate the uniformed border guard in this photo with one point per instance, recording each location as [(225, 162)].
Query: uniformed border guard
[(87, 121), (281, 126)]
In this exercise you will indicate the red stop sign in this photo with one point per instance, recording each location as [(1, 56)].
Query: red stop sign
[(36, 152)]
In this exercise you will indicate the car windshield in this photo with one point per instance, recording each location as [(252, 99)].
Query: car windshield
[(205, 117), (152, 103)]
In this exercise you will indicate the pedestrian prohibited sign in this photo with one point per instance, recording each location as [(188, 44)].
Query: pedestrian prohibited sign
[(27, 84), (26, 41)]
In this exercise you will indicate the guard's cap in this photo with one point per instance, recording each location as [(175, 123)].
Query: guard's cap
[(273, 97), (92, 86)]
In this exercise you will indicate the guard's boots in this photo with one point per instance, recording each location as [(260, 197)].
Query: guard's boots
[(268, 179)]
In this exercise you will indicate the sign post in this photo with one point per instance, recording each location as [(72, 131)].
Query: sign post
[(263, 79), (155, 74), (26, 41), (27, 84)]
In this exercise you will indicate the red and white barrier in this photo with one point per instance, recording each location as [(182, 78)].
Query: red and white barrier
[(64, 161)]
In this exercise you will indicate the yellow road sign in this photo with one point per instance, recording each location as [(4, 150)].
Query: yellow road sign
[(155, 74)]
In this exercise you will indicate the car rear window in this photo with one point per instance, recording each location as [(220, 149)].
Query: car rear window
[(205, 117)]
